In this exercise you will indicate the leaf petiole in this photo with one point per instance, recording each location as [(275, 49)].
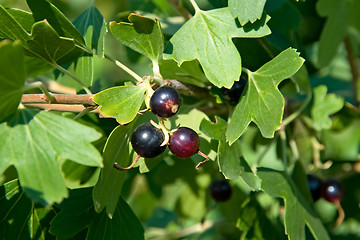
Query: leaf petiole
[(123, 67), (196, 7), (40, 85), (63, 70)]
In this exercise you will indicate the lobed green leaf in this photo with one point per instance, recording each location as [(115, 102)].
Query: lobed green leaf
[(12, 77), (143, 35), (33, 140), (261, 101), (208, 37), (247, 10), (121, 102), (323, 106)]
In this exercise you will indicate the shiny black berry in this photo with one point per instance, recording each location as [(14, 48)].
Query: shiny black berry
[(220, 190), (314, 184), (184, 142), (332, 191), (233, 94), (165, 102), (146, 140)]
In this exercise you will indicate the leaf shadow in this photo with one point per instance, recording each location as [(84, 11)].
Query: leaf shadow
[(20, 117)]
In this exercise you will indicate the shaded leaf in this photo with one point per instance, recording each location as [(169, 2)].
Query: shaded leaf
[(323, 106), (92, 17), (44, 136), (208, 37), (20, 219), (46, 43), (25, 19), (121, 102), (247, 10), (108, 189), (342, 145), (10, 28), (188, 72), (12, 77), (230, 158), (341, 16), (78, 213), (277, 184), (261, 101), (43, 9), (143, 35)]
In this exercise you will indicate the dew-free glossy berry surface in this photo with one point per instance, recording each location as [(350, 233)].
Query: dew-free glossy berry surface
[(165, 102), (233, 94), (184, 142), (332, 191), (146, 140), (314, 185), (220, 190)]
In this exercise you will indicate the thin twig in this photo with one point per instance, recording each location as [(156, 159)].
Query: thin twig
[(84, 99), (354, 69), (188, 89), (123, 67), (59, 107)]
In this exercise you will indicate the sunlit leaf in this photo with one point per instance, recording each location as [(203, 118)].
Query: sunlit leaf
[(143, 35), (32, 141), (121, 102), (207, 37), (261, 101), (247, 10)]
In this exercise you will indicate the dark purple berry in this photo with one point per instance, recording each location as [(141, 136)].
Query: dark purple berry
[(233, 94), (165, 102), (332, 191), (146, 140), (184, 142), (314, 184), (220, 190)]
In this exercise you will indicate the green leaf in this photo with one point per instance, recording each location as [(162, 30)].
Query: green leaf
[(12, 77), (279, 185), (25, 19), (342, 145), (341, 16), (208, 37), (261, 101), (324, 105), (121, 102), (42, 9), (143, 35), (230, 158), (20, 219), (77, 213), (33, 140), (108, 189), (247, 10), (46, 43), (10, 28), (92, 17)]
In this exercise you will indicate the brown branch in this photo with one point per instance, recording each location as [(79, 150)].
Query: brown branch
[(188, 89), (60, 107), (83, 99), (354, 70)]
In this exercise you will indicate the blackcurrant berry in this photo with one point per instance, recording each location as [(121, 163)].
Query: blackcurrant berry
[(220, 190), (146, 140), (184, 142), (314, 184), (332, 191), (165, 102), (233, 94)]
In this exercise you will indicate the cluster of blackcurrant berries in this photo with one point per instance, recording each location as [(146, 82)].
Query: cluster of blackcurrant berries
[(331, 190), (149, 140)]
